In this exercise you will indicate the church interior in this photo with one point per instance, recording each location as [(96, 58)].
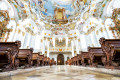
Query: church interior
[(59, 39)]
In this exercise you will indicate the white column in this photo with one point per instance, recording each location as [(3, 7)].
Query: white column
[(48, 52), (94, 39), (77, 48), (54, 41), (66, 41), (72, 48), (43, 47), (28, 40)]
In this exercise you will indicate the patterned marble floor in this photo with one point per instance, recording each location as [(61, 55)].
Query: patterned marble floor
[(62, 73)]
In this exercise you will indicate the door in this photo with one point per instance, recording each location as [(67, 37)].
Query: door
[(60, 59)]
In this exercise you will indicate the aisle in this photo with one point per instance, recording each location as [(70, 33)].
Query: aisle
[(62, 73)]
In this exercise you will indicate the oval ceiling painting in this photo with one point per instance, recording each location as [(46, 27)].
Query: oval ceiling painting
[(50, 5)]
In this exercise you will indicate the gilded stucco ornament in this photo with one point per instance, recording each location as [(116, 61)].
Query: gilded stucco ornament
[(116, 20), (116, 17), (4, 20)]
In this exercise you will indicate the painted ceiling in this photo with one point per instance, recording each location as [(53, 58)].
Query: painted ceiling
[(50, 5), (80, 13), (44, 9), (31, 21)]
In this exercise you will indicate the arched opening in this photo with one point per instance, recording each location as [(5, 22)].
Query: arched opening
[(60, 59)]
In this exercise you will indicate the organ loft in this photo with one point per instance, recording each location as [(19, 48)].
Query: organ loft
[(60, 16)]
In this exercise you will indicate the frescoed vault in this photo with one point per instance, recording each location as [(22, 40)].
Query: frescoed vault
[(31, 22)]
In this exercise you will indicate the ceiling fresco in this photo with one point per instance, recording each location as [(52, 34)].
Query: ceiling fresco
[(50, 6), (79, 14), (47, 7)]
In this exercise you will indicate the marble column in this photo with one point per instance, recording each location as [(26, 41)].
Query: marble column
[(77, 48), (48, 52), (54, 41), (94, 39), (43, 47), (66, 41), (72, 44)]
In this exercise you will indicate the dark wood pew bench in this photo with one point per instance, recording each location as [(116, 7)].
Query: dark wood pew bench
[(75, 60), (8, 54), (45, 60), (25, 57), (53, 62), (36, 59), (111, 48), (79, 59), (97, 56), (85, 58), (48, 61), (68, 62), (72, 61), (41, 60)]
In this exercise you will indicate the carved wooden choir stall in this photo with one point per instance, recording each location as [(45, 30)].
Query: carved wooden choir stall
[(41, 60), (79, 56), (25, 57), (36, 59), (85, 58), (11, 57), (97, 56), (111, 48), (8, 53), (108, 55)]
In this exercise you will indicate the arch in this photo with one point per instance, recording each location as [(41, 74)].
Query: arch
[(60, 59)]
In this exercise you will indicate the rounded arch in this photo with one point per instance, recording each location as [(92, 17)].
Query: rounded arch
[(60, 59)]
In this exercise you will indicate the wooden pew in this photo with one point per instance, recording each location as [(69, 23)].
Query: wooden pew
[(75, 60), (45, 61), (97, 56), (52, 62), (36, 59), (41, 60), (8, 53), (25, 57), (111, 47), (79, 59), (72, 62), (48, 61), (69, 61), (85, 58)]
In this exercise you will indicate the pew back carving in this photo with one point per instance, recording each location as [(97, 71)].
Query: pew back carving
[(8, 54), (85, 58), (41, 60), (96, 56), (25, 57), (79, 59), (111, 47), (36, 59)]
